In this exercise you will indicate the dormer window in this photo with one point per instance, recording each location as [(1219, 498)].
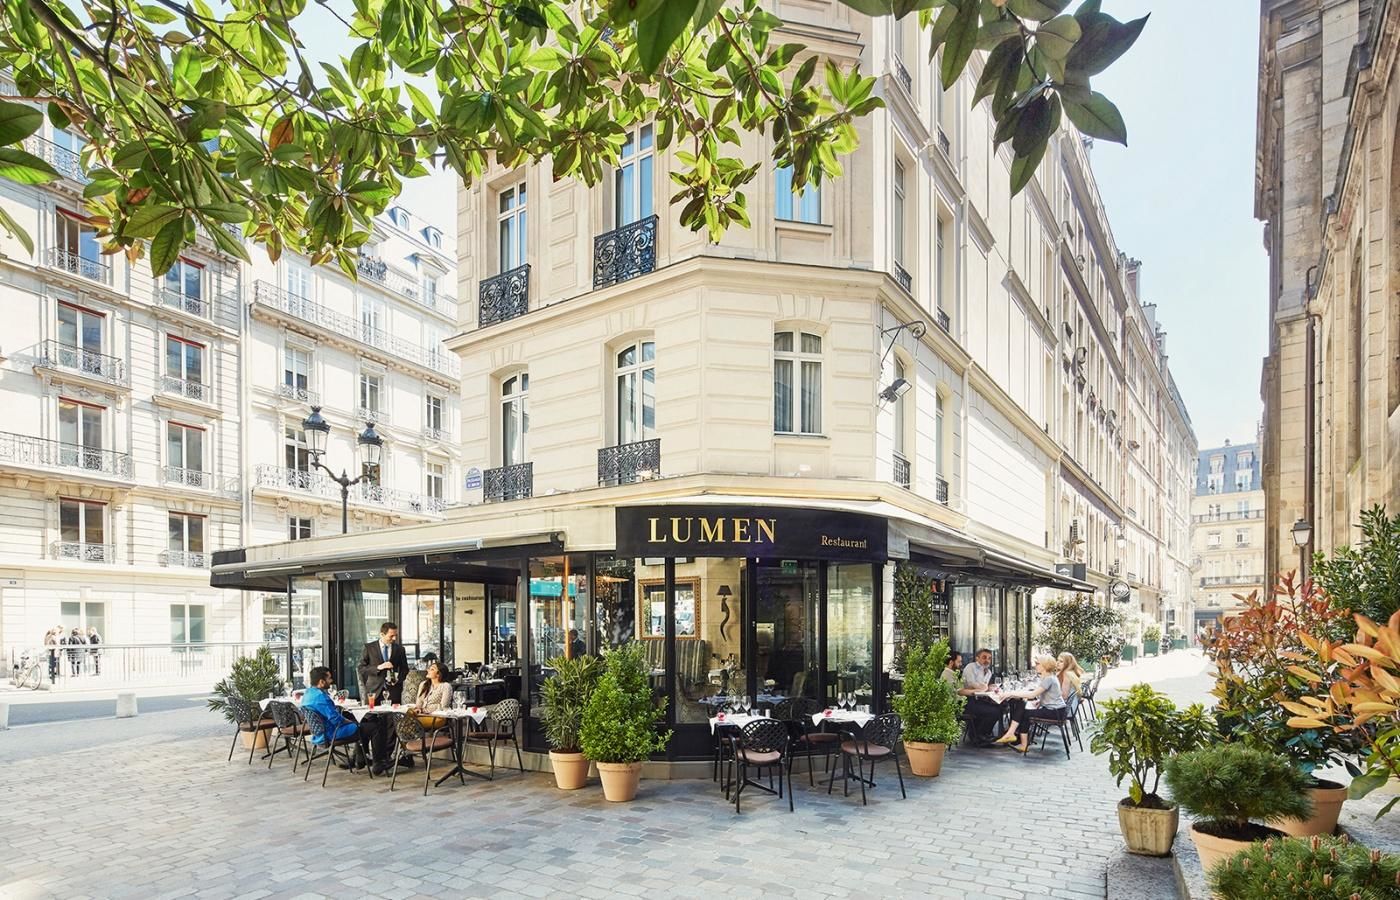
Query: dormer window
[(433, 237), (399, 216)]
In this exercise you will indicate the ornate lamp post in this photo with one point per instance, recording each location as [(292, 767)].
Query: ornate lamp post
[(317, 432), (1302, 536)]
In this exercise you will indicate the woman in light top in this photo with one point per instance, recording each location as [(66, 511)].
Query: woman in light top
[(1051, 705), (435, 692), (1071, 674)]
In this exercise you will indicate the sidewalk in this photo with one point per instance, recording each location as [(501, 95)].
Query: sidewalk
[(1185, 676), (20, 697)]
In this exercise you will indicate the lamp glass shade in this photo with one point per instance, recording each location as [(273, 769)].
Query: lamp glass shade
[(316, 431), (371, 446), (724, 591), (1302, 532)]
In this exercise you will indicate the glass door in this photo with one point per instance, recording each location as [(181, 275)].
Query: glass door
[(364, 606)]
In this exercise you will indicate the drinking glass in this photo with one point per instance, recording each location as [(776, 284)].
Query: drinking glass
[(746, 703)]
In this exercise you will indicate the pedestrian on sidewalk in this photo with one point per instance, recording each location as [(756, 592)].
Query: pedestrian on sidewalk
[(93, 639), (75, 656), (51, 642)]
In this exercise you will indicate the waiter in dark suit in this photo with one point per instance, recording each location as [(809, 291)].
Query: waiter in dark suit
[(380, 658)]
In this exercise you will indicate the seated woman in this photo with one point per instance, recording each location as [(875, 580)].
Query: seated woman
[(1071, 674), (952, 672), (434, 694), (1051, 703)]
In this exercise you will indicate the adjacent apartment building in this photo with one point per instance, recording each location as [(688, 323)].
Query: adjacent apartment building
[(1327, 186), (1227, 530)]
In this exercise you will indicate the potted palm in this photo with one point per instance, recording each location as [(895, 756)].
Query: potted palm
[(1139, 731), (618, 729), (1226, 788), (565, 696), (930, 707), (251, 679)]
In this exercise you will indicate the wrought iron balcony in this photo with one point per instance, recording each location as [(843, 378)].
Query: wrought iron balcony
[(57, 355), (504, 296), (1212, 580), (905, 280), (901, 471), (299, 394), (944, 143), (433, 358), (379, 272), (624, 252), (508, 482), (195, 306), (196, 478), (905, 79), (627, 463), (185, 387), (1229, 516), (365, 493), (42, 452), (184, 559), (77, 264), (943, 321), (68, 163), (434, 434), (83, 552), (372, 414), (940, 490)]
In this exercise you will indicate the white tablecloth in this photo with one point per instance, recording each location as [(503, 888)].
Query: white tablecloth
[(843, 716), (734, 719), (268, 701), (359, 712)]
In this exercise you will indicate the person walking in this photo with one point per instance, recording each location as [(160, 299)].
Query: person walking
[(74, 640), (51, 642), (93, 639)]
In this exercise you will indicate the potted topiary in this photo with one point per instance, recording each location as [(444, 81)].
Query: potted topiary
[(930, 707), (1138, 731), (618, 730), (565, 695), (1151, 640), (251, 679), (1320, 868), (1226, 786)]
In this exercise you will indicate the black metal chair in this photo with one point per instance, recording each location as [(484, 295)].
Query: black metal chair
[(418, 740), (1087, 690), (498, 728), (809, 739), (291, 731), (763, 745), (877, 742), (248, 719), (1041, 725), (319, 727)]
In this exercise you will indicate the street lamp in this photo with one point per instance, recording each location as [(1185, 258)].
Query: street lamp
[(1302, 536), (317, 432)]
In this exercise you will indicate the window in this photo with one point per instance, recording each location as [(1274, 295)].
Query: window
[(80, 432), (1217, 464), (82, 528), (512, 230), (938, 437), (298, 454), (432, 415), (186, 279), (943, 268), (793, 206), (399, 216), (298, 282), (186, 534), (515, 418), (1241, 538), (1213, 539), (1214, 509), (636, 392), (632, 184), (184, 450), (84, 616), (372, 319), (1241, 507), (433, 237), (187, 623), (76, 243), (296, 372), (1243, 478), (1358, 353), (298, 528), (370, 388), (797, 382), (1215, 482), (1245, 460), (80, 329), (184, 360), (437, 479), (430, 289), (899, 428), (899, 213)]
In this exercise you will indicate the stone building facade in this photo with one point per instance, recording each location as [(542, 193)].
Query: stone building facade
[(1227, 529)]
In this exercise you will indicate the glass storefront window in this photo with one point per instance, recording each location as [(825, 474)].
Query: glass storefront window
[(709, 630), (502, 629), (615, 604), (988, 625), (469, 626), (307, 637), (1015, 653), (364, 606), (785, 646), (420, 627), (850, 615), (962, 621), (558, 615)]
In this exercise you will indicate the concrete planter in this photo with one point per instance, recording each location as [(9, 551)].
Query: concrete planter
[(255, 740), (1129, 652), (570, 770), (925, 759), (620, 780), (1215, 850), (1179, 643), (1148, 832), (1327, 799)]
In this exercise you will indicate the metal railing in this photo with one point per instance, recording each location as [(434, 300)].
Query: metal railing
[(372, 414), (626, 463), (391, 277), (196, 478), (195, 306), (503, 296), (77, 264), (57, 355), (300, 395), (185, 387), (905, 280), (434, 434), (940, 490), (944, 143), (905, 79), (1229, 516), (945, 323), (624, 252), (68, 163), (508, 482), (902, 473), (42, 452), (83, 552), (184, 559), (366, 492), (1211, 580), (435, 359), (196, 665)]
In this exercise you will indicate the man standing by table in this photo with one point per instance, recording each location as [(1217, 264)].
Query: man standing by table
[(984, 712), (380, 658)]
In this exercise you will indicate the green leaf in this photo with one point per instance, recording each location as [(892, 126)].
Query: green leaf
[(233, 213), (1365, 784), (1002, 64), (656, 33), (529, 15), (25, 168), (18, 121), (1056, 37), (961, 41), (8, 223), (147, 220), (995, 32), (165, 246), (155, 14), (1097, 117), (1037, 10), (1104, 40)]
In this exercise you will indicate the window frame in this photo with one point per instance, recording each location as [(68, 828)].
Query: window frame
[(84, 513), (794, 206), (512, 226), (185, 428), (636, 164), (634, 374), (797, 360), (186, 519), (514, 397), (297, 524)]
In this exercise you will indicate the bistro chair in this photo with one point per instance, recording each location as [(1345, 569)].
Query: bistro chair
[(808, 739), (411, 682), (423, 741), (1089, 689), (291, 731), (877, 742), (249, 719), (762, 745), (1042, 726), (498, 728), (319, 727)]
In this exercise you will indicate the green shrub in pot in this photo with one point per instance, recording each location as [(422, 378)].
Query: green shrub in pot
[(1316, 868), (619, 726), (252, 678), (930, 708)]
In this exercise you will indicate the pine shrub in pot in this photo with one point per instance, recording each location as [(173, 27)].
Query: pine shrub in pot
[(565, 695), (619, 726), (1316, 868), (1139, 731), (1228, 790), (930, 707), (251, 679)]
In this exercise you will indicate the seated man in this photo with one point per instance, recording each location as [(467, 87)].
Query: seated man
[(984, 712), (318, 697)]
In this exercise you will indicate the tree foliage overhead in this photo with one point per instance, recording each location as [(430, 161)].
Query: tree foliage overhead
[(201, 117)]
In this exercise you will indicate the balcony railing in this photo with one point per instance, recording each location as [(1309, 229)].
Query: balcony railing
[(391, 277), (940, 490), (298, 307), (185, 387), (943, 321), (905, 79), (624, 252), (901, 471), (504, 296), (366, 493), (57, 355), (195, 306), (372, 414), (77, 550), (434, 434), (196, 478), (1229, 516), (944, 143), (508, 482), (905, 280), (299, 394), (184, 559), (77, 264), (42, 452), (68, 163), (627, 463), (1212, 580)]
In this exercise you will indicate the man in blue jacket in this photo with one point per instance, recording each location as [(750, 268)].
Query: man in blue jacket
[(317, 697)]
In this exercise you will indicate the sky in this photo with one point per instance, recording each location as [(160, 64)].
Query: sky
[(1180, 198)]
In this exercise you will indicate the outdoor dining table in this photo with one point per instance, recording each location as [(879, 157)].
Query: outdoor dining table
[(843, 717), (455, 719)]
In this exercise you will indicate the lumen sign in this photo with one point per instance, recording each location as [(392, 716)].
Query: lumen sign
[(749, 531)]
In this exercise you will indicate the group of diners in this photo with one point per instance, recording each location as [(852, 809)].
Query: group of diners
[(988, 706)]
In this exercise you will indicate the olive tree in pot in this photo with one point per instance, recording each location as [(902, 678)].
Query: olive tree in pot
[(619, 727), (251, 679), (930, 707), (565, 696), (1226, 788), (1139, 731)]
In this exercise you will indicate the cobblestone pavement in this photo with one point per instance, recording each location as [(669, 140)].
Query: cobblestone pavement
[(157, 812)]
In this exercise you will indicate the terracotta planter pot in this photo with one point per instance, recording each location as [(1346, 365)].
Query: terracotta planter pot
[(1215, 850), (254, 740), (570, 770), (619, 780), (1327, 800), (1148, 832), (925, 759)]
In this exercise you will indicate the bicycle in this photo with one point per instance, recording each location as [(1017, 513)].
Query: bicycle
[(28, 672)]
